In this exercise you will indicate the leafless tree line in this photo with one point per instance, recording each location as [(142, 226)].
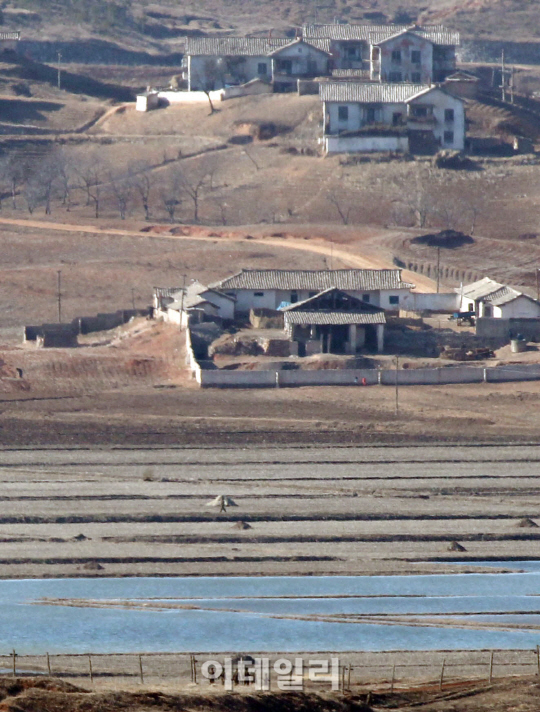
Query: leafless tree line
[(60, 180)]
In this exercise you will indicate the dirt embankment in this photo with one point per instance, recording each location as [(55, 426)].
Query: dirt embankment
[(51, 695)]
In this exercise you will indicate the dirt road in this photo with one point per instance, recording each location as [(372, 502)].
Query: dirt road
[(349, 256)]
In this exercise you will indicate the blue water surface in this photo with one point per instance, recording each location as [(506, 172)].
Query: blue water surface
[(49, 628)]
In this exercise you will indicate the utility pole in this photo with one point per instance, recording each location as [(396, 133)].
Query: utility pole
[(438, 269), (133, 298), (512, 84), (182, 300), (538, 283), (397, 385), (503, 77), (59, 70), (59, 294)]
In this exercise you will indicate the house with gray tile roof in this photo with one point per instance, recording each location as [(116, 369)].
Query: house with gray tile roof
[(488, 298), (212, 63), (271, 289), (364, 117), (409, 53)]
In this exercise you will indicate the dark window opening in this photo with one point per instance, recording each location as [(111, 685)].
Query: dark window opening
[(365, 297), (370, 115), (449, 137), (343, 113), (449, 115), (262, 68), (394, 76), (416, 56), (393, 300), (396, 56), (294, 297), (397, 118), (258, 294)]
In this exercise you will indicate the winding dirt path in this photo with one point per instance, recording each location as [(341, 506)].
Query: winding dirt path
[(318, 246)]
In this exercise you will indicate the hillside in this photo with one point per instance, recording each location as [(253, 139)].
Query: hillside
[(123, 31)]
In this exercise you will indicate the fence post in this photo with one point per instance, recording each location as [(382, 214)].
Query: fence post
[(48, 665), (442, 674), (14, 655), (491, 666), (141, 670), (393, 678), (349, 678), (194, 669), (90, 668)]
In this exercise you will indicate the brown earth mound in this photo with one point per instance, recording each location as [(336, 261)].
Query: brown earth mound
[(527, 523), (241, 525), (31, 696), (456, 546), (447, 239)]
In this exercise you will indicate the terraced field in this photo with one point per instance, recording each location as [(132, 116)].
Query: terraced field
[(301, 510)]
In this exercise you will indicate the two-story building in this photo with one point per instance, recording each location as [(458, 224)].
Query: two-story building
[(390, 53), (211, 63), (386, 117)]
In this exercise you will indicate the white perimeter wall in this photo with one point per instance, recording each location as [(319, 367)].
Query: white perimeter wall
[(365, 144)]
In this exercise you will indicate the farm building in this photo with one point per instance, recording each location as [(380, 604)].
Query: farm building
[(487, 298)]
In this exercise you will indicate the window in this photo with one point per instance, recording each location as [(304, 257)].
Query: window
[(312, 294), (394, 76), (294, 297), (258, 294), (351, 52), (393, 300), (396, 56), (449, 137), (471, 306), (397, 118), (370, 115), (416, 56), (262, 68), (343, 113), (420, 111), (449, 115), (416, 77), (365, 297)]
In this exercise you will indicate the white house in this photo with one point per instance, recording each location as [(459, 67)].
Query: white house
[(178, 305), (386, 117), (212, 63), (399, 53), (274, 288), (487, 298)]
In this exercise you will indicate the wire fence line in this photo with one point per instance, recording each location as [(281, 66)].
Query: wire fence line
[(386, 670)]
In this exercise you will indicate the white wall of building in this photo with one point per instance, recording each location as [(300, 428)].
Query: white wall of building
[(358, 115), (520, 307), (417, 73), (305, 59), (440, 101), (365, 144)]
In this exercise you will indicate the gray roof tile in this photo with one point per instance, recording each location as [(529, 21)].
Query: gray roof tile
[(376, 33), (319, 280), (243, 46), (374, 93), (327, 317)]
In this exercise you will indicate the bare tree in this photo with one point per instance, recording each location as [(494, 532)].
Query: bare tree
[(65, 178), (142, 181), (122, 190), (339, 204), (16, 169), (47, 177), (91, 173), (194, 184), (170, 193)]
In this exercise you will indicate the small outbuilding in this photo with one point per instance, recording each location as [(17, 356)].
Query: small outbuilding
[(334, 322)]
